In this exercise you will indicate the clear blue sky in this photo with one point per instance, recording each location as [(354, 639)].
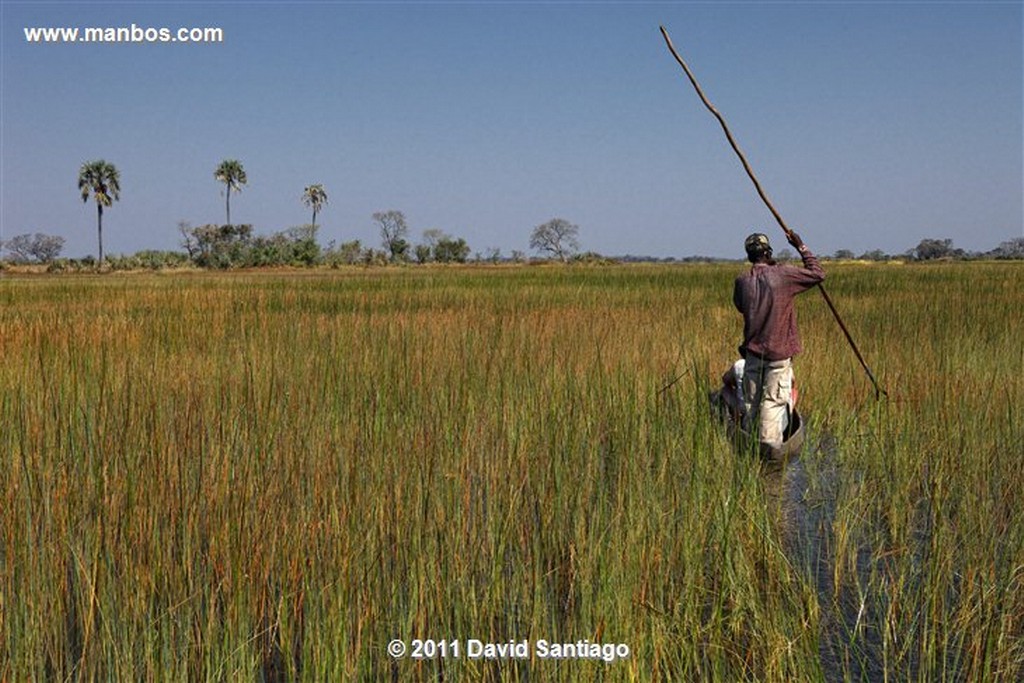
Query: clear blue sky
[(870, 124)]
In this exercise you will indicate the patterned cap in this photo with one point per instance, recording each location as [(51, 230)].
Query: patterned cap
[(757, 244)]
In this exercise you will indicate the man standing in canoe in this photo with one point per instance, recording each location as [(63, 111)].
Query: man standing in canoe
[(765, 296)]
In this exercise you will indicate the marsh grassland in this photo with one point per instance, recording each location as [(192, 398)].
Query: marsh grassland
[(260, 476)]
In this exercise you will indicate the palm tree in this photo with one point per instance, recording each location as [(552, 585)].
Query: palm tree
[(102, 180), (231, 173), (314, 196)]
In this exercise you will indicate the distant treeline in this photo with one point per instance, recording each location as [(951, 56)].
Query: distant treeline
[(236, 246)]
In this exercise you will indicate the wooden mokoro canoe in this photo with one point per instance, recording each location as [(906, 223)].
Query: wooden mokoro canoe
[(793, 436)]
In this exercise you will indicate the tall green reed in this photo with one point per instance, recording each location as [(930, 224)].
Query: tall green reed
[(272, 476)]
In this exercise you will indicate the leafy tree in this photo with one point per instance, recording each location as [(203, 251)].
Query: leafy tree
[(293, 247), (442, 248), (347, 253), (314, 197), (217, 246), (422, 253), (231, 173), (101, 179), (38, 247), (427, 251), (843, 255), (432, 236), (451, 250), (931, 249), (399, 249), (232, 246), (1012, 249), (393, 230), (372, 257), (557, 237), (302, 247)]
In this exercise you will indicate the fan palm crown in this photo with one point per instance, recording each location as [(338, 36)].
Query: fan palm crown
[(314, 197), (231, 173)]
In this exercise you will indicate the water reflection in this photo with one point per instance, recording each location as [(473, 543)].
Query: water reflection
[(804, 494)]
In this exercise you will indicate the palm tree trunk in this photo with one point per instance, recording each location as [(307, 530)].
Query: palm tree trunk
[(228, 202), (99, 232), (314, 218)]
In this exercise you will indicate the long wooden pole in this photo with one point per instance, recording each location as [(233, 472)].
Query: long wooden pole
[(771, 207)]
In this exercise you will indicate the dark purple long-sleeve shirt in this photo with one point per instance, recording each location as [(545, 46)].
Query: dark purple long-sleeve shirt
[(764, 296)]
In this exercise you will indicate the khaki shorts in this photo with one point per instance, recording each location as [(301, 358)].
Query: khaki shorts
[(768, 398)]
